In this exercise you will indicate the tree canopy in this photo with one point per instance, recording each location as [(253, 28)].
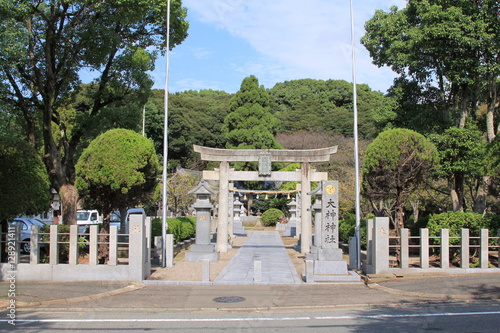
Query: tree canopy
[(250, 124), (318, 105), (396, 163), (450, 49), (119, 169), (49, 45), (24, 184)]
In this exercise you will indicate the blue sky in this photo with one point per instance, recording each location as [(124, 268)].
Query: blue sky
[(276, 41)]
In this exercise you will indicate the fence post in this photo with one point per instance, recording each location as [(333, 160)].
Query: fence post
[(498, 254), (113, 245), (34, 246), (483, 256), (148, 227), (137, 247), (464, 248), (369, 242), (54, 245), (73, 244), (93, 249), (445, 248), (424, 248), (380, 244), (404, 243)]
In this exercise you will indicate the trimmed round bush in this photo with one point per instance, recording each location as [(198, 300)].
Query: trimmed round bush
[(271, 216)]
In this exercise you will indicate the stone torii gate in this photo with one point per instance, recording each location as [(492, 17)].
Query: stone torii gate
[(265, 157)]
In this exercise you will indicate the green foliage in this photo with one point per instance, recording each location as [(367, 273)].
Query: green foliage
[(118, 169), (24, 184), (271, 216), (397, 162), (195, 117), (461, 152), (117, 41), (63, 240), (182, 228), (446, 48), (455, 221), (250, 124), (307, 104), (347, 228)]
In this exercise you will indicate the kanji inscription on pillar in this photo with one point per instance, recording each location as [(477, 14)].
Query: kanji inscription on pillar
[(330, 211)]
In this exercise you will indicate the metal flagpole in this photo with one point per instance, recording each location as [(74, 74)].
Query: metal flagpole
[(356, 144), (164, 224)]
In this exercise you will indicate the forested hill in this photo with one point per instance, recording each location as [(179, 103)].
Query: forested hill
[(197, 117)]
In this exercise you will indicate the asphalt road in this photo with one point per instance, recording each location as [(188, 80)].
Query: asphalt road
[(439, 317)]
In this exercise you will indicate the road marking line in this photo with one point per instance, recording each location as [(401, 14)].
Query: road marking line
[(174, 320)]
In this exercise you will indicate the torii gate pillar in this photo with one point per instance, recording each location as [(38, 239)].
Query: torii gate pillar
[(264, 156)]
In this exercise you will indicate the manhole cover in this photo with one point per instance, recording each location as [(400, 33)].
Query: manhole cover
[(229, 299)]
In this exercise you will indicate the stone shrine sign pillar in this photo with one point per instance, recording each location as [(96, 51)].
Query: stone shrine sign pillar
[(264, 157), (325, 263)]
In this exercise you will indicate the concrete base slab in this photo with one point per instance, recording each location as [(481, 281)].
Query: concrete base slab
[(290, 231)]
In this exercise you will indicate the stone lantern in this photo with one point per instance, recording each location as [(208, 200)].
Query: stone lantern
[(203, 248), (291, 228)]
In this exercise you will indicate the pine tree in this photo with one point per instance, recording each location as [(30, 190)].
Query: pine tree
[(250, 124)]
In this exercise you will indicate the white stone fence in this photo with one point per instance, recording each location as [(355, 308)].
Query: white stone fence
[(414, 251), (129, 255)]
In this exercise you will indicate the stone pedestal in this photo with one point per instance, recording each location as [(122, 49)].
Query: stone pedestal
[(203, 249), (238, 228)]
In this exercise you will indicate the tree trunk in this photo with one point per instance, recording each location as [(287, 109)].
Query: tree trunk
[(480, 198), (492, 103), (69, 200), (457, 193)]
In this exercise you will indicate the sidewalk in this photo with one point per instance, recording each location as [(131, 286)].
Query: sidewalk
[(279, 289), (267, 249)]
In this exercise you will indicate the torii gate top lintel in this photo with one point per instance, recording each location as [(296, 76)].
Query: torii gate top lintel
[(276, 155)]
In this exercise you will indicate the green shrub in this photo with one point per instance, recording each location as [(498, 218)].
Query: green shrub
[(271, 216), (455, 221), (182, 228), (347, 228)]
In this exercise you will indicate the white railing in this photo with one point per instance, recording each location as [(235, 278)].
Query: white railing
[(134, 266), (412, 254)]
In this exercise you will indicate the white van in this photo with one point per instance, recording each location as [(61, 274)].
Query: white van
[(85, 218), (115, 218)]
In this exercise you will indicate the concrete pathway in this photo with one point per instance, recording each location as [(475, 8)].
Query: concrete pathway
[(267, 248)]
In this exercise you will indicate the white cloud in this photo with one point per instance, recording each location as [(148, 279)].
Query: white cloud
[(297, 38)]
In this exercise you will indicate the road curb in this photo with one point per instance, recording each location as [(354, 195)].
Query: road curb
[(399, 292), (20, 304)]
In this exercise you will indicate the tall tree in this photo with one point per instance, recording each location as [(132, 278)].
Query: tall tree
[(396, 163), (449, 46), (52, 43), (461, 153), (250, 124), (24, 184)]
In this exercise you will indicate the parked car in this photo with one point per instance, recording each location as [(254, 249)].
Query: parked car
[(25, 225), (84, 218), (115, 218)]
